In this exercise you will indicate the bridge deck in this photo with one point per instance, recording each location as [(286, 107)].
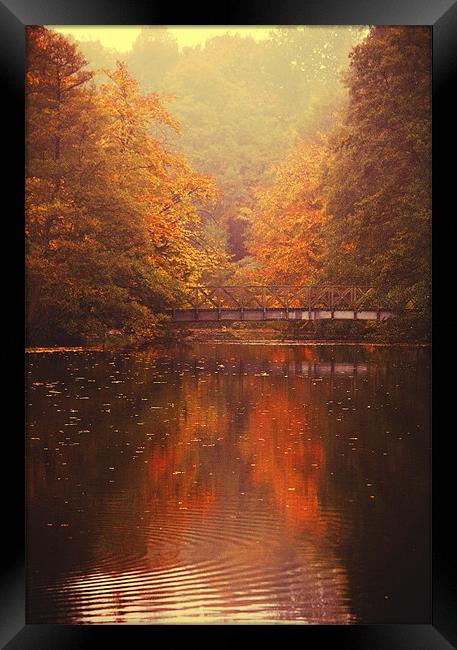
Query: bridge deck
[(253, 315)]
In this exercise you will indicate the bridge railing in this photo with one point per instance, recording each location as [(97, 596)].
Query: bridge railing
[(331, 297)]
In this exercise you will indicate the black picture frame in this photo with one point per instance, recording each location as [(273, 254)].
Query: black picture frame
[(15, 15)]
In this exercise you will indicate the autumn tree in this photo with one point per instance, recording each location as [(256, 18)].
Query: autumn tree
[(285, 232), (378, 173), (113, 218)]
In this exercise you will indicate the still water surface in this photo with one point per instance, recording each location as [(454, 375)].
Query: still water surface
[(229, 483)]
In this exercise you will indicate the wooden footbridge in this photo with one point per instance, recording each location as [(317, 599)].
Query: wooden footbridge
[(275, 302)]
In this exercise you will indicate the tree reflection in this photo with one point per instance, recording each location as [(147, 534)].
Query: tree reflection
[(207, 490)]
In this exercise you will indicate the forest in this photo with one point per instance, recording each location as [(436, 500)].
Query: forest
[(302, 158)]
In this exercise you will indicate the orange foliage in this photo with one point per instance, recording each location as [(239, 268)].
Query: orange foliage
[(285, 230)]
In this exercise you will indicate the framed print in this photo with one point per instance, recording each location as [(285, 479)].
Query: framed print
[(226, 282)]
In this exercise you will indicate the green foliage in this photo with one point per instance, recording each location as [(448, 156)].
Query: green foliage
[(378, 172)]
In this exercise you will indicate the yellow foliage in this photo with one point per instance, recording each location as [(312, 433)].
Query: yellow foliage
[(285, 228)]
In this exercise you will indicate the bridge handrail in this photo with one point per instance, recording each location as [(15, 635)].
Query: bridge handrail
[(301, 296), (280, 286)]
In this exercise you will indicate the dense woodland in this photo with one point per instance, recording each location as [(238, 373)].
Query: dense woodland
[(301, 158)]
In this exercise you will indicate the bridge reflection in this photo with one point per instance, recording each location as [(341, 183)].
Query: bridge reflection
[(290, 368)]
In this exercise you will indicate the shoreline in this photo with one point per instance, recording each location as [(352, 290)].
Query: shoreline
[(270, 342)]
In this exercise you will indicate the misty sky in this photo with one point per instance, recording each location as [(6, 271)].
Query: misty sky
[(121, 37)]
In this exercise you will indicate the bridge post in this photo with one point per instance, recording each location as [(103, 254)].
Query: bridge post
[(264, 302), (378, 306), (196, 303)]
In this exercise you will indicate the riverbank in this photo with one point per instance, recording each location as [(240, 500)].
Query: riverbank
[(272, 333), (234, 342), (321, 332)]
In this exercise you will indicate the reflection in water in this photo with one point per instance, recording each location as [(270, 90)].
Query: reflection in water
[(227, 483)]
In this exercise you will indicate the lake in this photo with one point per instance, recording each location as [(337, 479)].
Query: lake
[(229, 483)]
